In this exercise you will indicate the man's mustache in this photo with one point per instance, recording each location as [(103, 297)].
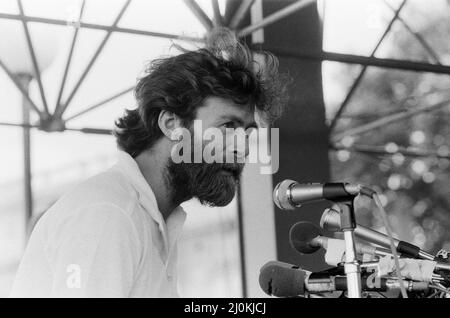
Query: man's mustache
[(234, 168)]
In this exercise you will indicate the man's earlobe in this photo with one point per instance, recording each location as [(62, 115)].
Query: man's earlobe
[(177, 134)]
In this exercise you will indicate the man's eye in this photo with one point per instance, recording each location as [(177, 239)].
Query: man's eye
[(229, 124)]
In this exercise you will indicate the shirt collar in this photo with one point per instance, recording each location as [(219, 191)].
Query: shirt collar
[(147, 198)]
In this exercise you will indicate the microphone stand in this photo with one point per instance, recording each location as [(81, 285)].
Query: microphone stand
[(351, 266)]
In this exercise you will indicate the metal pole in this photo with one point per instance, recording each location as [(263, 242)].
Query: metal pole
[(390, 119), (351, 265), (240, 13), (381, 150), (241, 243), (218, 21), (199, 14), (419, 37), (59, 111), (99, 27), (103, 102), (361, 74), (18, 85), (86, 130), (274, 17), (37, 72), (69, 57), (406, 65), (25, 79)]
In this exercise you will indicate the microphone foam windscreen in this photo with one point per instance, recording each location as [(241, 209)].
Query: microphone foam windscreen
[(282, 280), (300, 236)]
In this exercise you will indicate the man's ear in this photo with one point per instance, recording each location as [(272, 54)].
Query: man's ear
[(168, 122)]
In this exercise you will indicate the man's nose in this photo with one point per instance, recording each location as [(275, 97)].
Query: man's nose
[(242, 149), (237, 144), (247, 146)]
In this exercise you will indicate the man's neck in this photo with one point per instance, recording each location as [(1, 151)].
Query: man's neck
[(153, 169)]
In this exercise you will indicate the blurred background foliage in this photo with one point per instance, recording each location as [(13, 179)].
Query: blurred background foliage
[(415, 188)]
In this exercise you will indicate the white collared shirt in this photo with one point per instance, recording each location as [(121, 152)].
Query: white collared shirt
[(105, 238)]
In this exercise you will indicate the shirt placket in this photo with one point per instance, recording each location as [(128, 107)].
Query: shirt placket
[(173, 231)]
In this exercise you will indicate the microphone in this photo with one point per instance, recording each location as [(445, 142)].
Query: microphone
[(321, 284), (289, 194), (306, 238), (331, 221), (282, 279), (286, 280)]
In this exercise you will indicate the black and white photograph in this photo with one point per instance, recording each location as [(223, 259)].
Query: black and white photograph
[(226, 153)]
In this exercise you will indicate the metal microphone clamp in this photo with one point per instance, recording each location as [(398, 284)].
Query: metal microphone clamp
[(351, 266)]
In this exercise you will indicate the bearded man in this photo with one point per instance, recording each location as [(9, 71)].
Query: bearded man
[(115, 235)]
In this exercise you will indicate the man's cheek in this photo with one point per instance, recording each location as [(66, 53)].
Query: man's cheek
[(235, 151), (220, 147), (236, 145), (213, 152), (212, 141)]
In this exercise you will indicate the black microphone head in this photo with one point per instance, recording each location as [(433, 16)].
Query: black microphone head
[(282, 280), (301, 235), (281, 195)]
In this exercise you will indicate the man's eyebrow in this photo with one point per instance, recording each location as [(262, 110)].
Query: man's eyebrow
[(237, 119)]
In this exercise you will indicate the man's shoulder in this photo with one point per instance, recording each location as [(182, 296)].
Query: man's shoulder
[(110, 187)]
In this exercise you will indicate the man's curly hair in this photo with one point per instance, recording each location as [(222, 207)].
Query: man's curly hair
[(224, 68)]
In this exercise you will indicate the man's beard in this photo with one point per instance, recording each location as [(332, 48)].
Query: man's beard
[(213, 184)]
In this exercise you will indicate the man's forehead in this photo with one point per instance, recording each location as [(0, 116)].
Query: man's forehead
[(221, 107)]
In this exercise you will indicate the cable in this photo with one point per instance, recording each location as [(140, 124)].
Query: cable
[(381, 295), (444, 276), (442, 289), (377, 201), (433, 294)]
